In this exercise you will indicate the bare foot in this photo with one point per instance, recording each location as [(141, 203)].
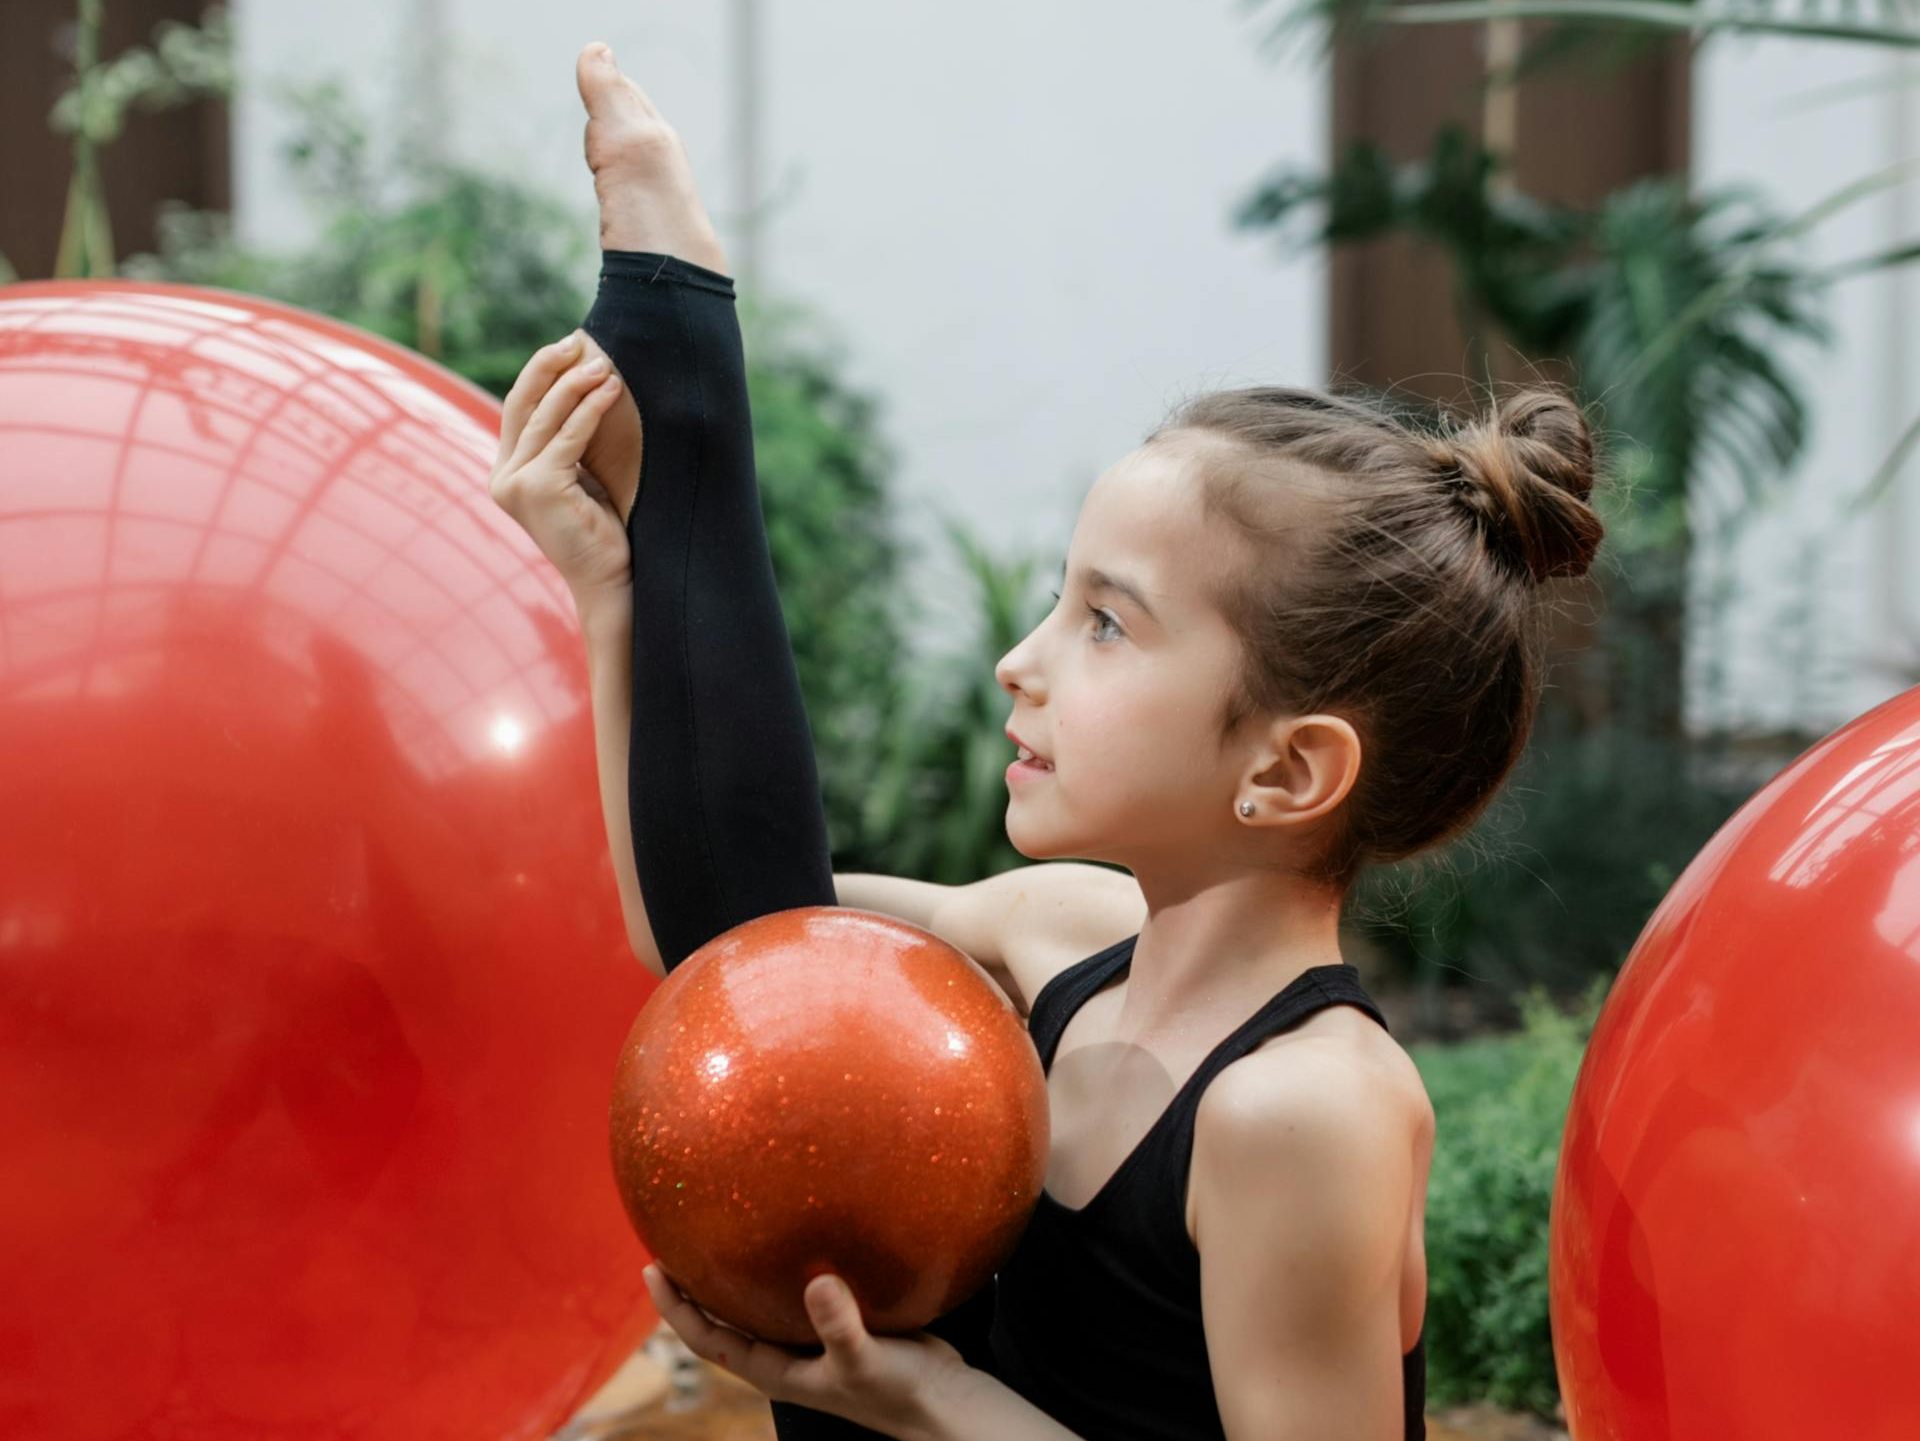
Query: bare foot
[(641, 174)]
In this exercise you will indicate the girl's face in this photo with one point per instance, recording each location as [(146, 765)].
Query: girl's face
[(1122, 692)]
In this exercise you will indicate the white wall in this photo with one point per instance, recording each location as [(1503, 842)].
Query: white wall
[(1800, 120), (1013, 214)]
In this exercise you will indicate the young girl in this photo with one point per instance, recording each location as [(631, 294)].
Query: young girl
[(1294, 637)]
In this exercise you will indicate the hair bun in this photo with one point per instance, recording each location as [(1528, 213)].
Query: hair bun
[(1528, 470)]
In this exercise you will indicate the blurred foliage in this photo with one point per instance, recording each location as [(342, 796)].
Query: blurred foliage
[(1708, 399), (1505, 248), (1500, 1107)]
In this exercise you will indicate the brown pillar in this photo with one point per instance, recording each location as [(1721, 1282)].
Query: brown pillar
[(1579, 132)]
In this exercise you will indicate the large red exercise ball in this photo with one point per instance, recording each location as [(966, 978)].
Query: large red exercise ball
[(312, 970), (828, 1089), (1735, 1233)]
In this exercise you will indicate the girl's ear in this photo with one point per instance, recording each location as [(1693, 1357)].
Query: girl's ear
[(1317, 765)]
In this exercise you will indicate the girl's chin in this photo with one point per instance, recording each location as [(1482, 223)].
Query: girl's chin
[(1028, 839), (1047, 843)]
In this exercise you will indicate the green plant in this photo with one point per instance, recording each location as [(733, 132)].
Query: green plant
[(1500, 1108)]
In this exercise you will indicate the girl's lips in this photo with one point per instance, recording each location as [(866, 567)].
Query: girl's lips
[(1027, 770)]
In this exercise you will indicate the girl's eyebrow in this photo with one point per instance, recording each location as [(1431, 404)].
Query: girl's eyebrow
[(1092, 578)]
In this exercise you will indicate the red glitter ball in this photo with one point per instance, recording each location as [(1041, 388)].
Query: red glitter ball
[(796, 1098)]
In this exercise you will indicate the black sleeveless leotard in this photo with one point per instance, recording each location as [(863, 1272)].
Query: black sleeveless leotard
[(1098, 1318), (724, 801)]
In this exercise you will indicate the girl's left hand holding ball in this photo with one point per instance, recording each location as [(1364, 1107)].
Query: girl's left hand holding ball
[(548, 420)]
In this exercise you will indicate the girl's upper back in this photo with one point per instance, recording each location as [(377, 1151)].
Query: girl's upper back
[(1098, 1317)]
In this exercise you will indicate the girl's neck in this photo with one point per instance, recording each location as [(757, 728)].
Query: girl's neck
[(1225, 946)]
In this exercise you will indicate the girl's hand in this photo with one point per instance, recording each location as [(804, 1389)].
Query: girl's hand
[(613, 454), (880, 1382), (550, 415), (641, 173)]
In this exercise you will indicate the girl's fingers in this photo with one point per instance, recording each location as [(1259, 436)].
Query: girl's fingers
[(569, 443), (554, 407), (706, 1338), (835, 1315), (536, 377)]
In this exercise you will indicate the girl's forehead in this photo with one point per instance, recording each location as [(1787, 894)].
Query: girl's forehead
[(1145, 490), (1142, 519)]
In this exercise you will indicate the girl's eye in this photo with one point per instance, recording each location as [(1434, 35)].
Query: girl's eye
[(1099, 615)]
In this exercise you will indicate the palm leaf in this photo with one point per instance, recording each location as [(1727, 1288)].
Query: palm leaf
[(1887, 471), (1688, 311), (1884, 260), (1507, 247)]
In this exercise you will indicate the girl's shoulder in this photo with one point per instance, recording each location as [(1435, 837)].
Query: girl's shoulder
[(1338, 1063), (1330, 1101)]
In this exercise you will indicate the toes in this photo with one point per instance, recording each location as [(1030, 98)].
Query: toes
[(594, 72), (604, 86)]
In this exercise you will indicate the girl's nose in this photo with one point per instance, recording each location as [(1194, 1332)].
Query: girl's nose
[(1003, 674), (1012, 671)]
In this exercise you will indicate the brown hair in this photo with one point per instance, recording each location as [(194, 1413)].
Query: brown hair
[(1391, 575)]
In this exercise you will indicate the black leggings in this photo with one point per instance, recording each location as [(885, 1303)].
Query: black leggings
[(722, 787)]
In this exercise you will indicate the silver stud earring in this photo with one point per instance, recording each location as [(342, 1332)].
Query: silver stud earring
[(1246, 808)]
